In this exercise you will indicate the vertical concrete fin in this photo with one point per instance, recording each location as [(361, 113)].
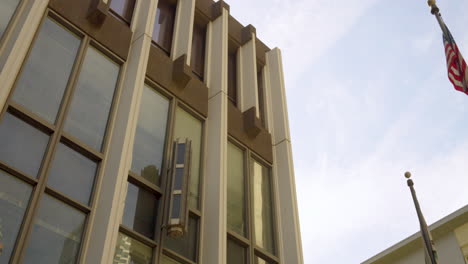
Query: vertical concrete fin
[(183, 30), (283, 169), (247, 72), (112, 195), (214, 220)]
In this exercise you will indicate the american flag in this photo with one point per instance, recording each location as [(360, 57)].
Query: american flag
[(456, 65)]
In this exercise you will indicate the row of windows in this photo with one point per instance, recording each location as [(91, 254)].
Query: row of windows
[(53, 141), (250, 210)]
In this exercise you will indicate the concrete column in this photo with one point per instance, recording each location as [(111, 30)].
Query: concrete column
[(183, 30), (247, 72), (214, 220), (17, 42), (110, 204), (290, 245)]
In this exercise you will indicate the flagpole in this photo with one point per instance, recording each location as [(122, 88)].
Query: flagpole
[(436, 12), (431, 254)]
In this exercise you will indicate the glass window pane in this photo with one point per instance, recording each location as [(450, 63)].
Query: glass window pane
[(232, 77), (56, 234), (140, 210), (45, 74), (235, 253), (72, 174), (150, 135), (167, 260), (187, 126), (164, 25), (7, 9), (261, 261), (186, 245), (198, 50), (14, 198), (263, 207), (235, 190), (176, 204), (92, 100), (21, 145), (131, 251), (124, 8)]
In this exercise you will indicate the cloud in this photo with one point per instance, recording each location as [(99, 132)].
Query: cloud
[(303, 29)]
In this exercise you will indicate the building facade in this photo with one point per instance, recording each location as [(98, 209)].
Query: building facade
[(142, 131), (450, 236)]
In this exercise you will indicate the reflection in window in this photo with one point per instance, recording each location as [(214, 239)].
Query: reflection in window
[(164, 24), (150, 136), (235, 253), (263, 207), (130, 251), (21, 145), (92, 99), (14, 198), (260, 261), (7, 9), (235, 190), (72, 174), (56, 234), (187, 126), (124, 8), (232, 76), (167, 260), (261, 96), (198, 50), (186, 245), (140, 210), (42, 82)]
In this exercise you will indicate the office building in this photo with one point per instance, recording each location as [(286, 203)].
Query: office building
[(142, 131)]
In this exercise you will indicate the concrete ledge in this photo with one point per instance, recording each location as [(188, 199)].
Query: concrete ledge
[(181, 73), (97, 12)]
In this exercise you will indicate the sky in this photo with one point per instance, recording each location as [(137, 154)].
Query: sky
[(368, 99)]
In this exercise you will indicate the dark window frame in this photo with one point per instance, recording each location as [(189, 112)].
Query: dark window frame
[(199, 32), (169, 33), (57, 136), (162, 192), (248, 242), (122, 17), (233, 74)]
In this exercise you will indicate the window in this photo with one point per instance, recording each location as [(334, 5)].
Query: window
[(7, 9), (232, 73), (148, 201), (198, 49), (251, 221), (261, 94), (52, 142), (164, 24), (123, 9)]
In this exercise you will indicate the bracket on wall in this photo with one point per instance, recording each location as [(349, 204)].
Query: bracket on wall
[(217, 9), (97, 12), (181, 72), (252, 124), (247, 33)]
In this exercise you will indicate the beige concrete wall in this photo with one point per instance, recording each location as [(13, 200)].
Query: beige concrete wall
[(447, 247), (290, 245), (111, 200), (215, 212)]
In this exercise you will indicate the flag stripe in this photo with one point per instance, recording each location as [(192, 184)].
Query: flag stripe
[(456, 65)]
